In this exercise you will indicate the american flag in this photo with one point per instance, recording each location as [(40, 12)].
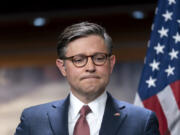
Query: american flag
[(159, 87)]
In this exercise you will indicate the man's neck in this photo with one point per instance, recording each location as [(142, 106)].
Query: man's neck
[(87, 98)]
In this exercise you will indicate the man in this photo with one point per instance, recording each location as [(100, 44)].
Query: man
[(86, 60)]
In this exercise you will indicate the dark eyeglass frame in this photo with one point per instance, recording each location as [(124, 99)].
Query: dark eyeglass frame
[(106, 55)]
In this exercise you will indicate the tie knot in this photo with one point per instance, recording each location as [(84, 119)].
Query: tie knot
[(85, 110)]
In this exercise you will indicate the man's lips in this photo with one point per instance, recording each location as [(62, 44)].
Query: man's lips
[(90, 77)]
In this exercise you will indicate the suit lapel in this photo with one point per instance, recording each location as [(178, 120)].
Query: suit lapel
[(113, 117), (58, 117)]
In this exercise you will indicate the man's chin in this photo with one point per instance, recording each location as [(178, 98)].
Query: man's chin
[(93, 91)]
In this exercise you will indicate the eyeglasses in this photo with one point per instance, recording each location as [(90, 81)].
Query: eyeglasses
[(81, 60)]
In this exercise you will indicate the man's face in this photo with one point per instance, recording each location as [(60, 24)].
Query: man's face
[(90, 80)]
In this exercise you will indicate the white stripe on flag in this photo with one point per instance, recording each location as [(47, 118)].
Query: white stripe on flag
[(171, 111), (138, 101)]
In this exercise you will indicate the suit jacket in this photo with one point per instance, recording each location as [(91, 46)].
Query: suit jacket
[(120, 118)]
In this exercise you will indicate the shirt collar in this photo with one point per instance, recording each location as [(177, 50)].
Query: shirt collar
[(97, 106), (75, 105)]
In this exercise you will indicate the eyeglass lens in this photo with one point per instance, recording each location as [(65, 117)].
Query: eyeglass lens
[(81, 60)]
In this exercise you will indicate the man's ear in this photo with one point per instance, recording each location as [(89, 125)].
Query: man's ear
[(61, 66), (112, 62)]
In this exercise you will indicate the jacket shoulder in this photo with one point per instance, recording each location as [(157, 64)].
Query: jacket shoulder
[(42, 108), (132, 109)]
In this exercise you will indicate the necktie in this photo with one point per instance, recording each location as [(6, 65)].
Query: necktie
[(82, 127)]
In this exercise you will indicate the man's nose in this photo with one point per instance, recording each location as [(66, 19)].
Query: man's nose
[(90, 66)]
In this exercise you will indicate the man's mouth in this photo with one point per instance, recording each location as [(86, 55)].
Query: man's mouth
[(90, 77)]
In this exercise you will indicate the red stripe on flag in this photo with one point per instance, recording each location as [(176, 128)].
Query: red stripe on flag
[(176, 91), (153, 104)]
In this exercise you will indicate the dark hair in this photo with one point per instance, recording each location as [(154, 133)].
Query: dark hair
[(79, 30)]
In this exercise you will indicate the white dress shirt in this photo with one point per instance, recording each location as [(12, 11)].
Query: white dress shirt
[(94, 118)]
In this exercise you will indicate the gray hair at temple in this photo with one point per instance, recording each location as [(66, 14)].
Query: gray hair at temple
[(79, 30)]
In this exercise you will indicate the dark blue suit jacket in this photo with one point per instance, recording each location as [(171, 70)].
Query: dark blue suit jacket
[(52, 119)]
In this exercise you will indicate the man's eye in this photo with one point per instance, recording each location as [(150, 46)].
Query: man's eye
[(77, 60), (99, 58)]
